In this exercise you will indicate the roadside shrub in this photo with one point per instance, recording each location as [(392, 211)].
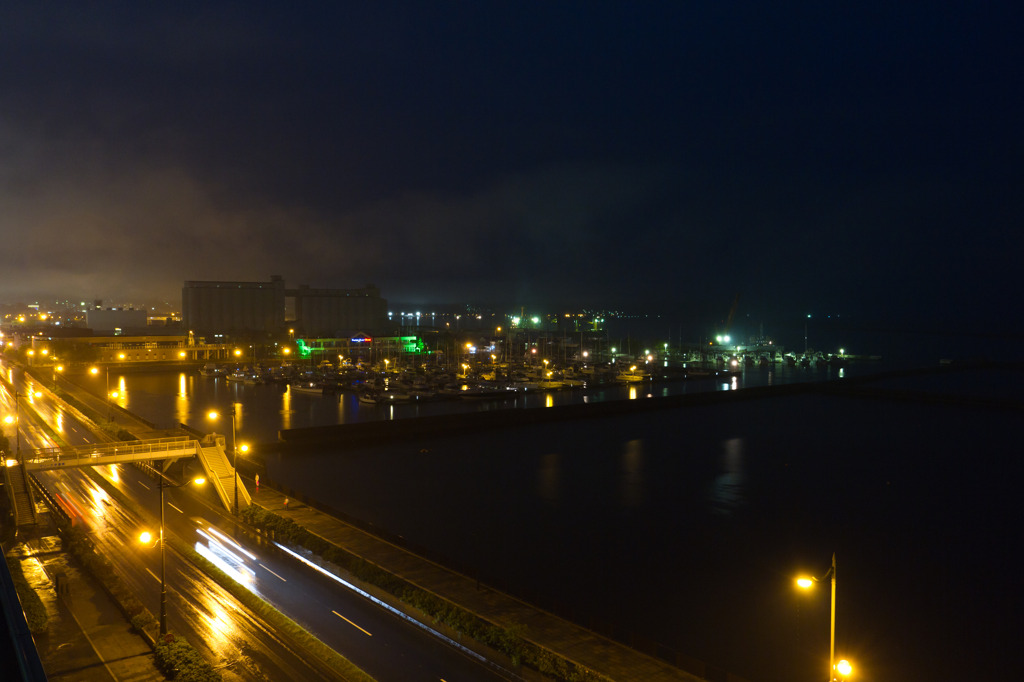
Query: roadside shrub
[(178, 660), (140, 621)]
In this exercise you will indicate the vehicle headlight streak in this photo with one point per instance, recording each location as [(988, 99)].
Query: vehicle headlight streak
[(227, 540), (220, 556), (385, 605)]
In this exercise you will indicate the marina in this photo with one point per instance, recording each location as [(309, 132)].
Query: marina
[(172, 396)]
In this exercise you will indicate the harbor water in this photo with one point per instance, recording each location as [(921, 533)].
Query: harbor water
[(686, 527)]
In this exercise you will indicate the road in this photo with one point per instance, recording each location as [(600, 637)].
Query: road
[(384, 645)]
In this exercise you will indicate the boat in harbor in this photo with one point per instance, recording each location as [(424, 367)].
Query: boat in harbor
[(212, 370), (630, 376), (308, 387)]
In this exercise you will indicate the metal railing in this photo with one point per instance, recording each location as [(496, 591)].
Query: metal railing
[(160, 448)]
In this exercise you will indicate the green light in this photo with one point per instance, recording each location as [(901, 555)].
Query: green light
[(304, 350)]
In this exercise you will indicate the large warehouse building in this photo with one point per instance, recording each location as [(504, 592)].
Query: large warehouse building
[(246, 308)]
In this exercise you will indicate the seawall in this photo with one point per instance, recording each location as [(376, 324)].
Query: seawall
[(378, 432)]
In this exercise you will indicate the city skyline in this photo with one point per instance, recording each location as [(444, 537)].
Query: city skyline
[(857, 161)]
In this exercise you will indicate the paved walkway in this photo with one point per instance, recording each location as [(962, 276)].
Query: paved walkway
[(88, 638), (616, 661)]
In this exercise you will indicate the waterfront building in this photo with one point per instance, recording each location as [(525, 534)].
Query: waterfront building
[(132, 350), (239, 309), (116, 320), (233, 308), (338, 312)]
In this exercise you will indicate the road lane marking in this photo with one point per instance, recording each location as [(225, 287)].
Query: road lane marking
[(171, 505), (272, 573), (383, 604), (351, 623)]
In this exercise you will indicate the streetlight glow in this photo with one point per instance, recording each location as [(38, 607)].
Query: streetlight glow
[(146, 537), (844, 668), (805, 583), (213, 416)]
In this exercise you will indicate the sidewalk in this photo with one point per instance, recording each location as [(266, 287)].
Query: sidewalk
[(88, 638), (559, 636)]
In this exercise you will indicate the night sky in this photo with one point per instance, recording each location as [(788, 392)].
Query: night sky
[(858, 159)]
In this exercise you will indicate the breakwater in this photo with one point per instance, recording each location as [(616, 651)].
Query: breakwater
[(414, 428), (417, 428)]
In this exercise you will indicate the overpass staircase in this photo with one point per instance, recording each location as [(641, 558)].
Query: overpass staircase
[(213, 456), (20, 494)]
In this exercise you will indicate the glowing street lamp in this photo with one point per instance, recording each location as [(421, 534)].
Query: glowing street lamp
[(213, 416), (147, 537), (843, 667), (16, 419), (17, 429), (106, 370)]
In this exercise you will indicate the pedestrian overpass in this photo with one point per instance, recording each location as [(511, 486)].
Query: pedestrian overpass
[(210, 452)]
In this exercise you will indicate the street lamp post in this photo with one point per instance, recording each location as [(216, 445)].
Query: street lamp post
[(17, 425), (234, 448), (16, 420), (163, 551), (807, 583), (96, 370)]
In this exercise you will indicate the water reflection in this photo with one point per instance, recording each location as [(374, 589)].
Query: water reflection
[(168, 398), (286, 410), (182, 405), (726, 493), (632, 480), (548, 477), (120, 393)]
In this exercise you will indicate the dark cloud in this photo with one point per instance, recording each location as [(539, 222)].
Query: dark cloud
[(863, 157)]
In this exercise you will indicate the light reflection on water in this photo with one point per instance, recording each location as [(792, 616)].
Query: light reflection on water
[(726, 491), (172, 397), (631, 482), (548, 475)]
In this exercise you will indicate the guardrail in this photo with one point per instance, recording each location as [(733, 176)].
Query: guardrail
[(160, 448), (55, 508)]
